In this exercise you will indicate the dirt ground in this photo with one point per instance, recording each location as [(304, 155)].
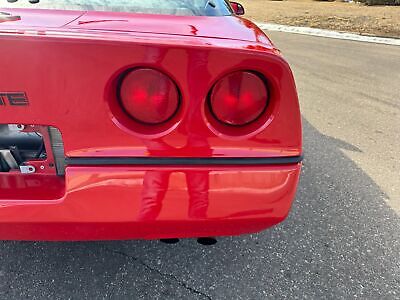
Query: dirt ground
[(341, 16)]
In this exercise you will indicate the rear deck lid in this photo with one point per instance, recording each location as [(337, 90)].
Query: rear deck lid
[(43, 18), (226, 27)]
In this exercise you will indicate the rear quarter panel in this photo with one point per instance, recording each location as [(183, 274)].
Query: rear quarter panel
[(71, 79)]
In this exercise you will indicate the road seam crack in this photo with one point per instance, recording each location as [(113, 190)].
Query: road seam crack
[(162, 274)]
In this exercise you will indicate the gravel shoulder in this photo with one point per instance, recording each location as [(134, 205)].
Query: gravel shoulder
[(349, 17)]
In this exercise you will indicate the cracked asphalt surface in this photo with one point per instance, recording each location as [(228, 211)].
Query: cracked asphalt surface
[(341, 241)]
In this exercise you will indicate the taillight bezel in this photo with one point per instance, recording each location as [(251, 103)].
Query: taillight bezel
[(259, 115), (136, 119), (123, 120), (252, 128)]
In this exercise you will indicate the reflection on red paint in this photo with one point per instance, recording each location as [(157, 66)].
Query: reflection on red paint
[(156, 186)]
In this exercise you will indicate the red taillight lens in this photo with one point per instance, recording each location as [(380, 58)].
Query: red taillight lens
[(149, 96), (239, 98)]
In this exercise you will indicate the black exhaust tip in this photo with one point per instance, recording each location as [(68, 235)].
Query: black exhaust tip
[(207, 241), (169, 241)]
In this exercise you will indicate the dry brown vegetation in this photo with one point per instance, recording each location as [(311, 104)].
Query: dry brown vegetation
[(341, 16)]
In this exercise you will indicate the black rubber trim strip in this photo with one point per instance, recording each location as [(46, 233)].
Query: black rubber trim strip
[(181, 161)]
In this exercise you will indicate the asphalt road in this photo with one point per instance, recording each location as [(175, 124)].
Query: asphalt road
[(341, 241)]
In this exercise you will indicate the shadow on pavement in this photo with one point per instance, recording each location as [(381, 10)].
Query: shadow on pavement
[(340, 241)]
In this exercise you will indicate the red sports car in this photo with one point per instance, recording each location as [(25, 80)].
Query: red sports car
[(128, 119)]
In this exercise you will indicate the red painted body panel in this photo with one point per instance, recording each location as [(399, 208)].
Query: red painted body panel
[(198, 26), (129, 202), (69, 63), (30, 18), (82, 109)]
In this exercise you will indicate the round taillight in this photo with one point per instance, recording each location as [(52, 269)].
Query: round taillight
[(239, 98), (149, 96)]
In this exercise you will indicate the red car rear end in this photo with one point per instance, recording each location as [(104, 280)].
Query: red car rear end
[(142, 126)]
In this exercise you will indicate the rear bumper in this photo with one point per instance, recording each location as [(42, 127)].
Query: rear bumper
[(148, 202)]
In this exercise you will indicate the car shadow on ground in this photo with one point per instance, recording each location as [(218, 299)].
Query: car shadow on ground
[(341, 240)]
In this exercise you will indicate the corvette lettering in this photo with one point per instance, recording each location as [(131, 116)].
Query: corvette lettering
[(13, 99)]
